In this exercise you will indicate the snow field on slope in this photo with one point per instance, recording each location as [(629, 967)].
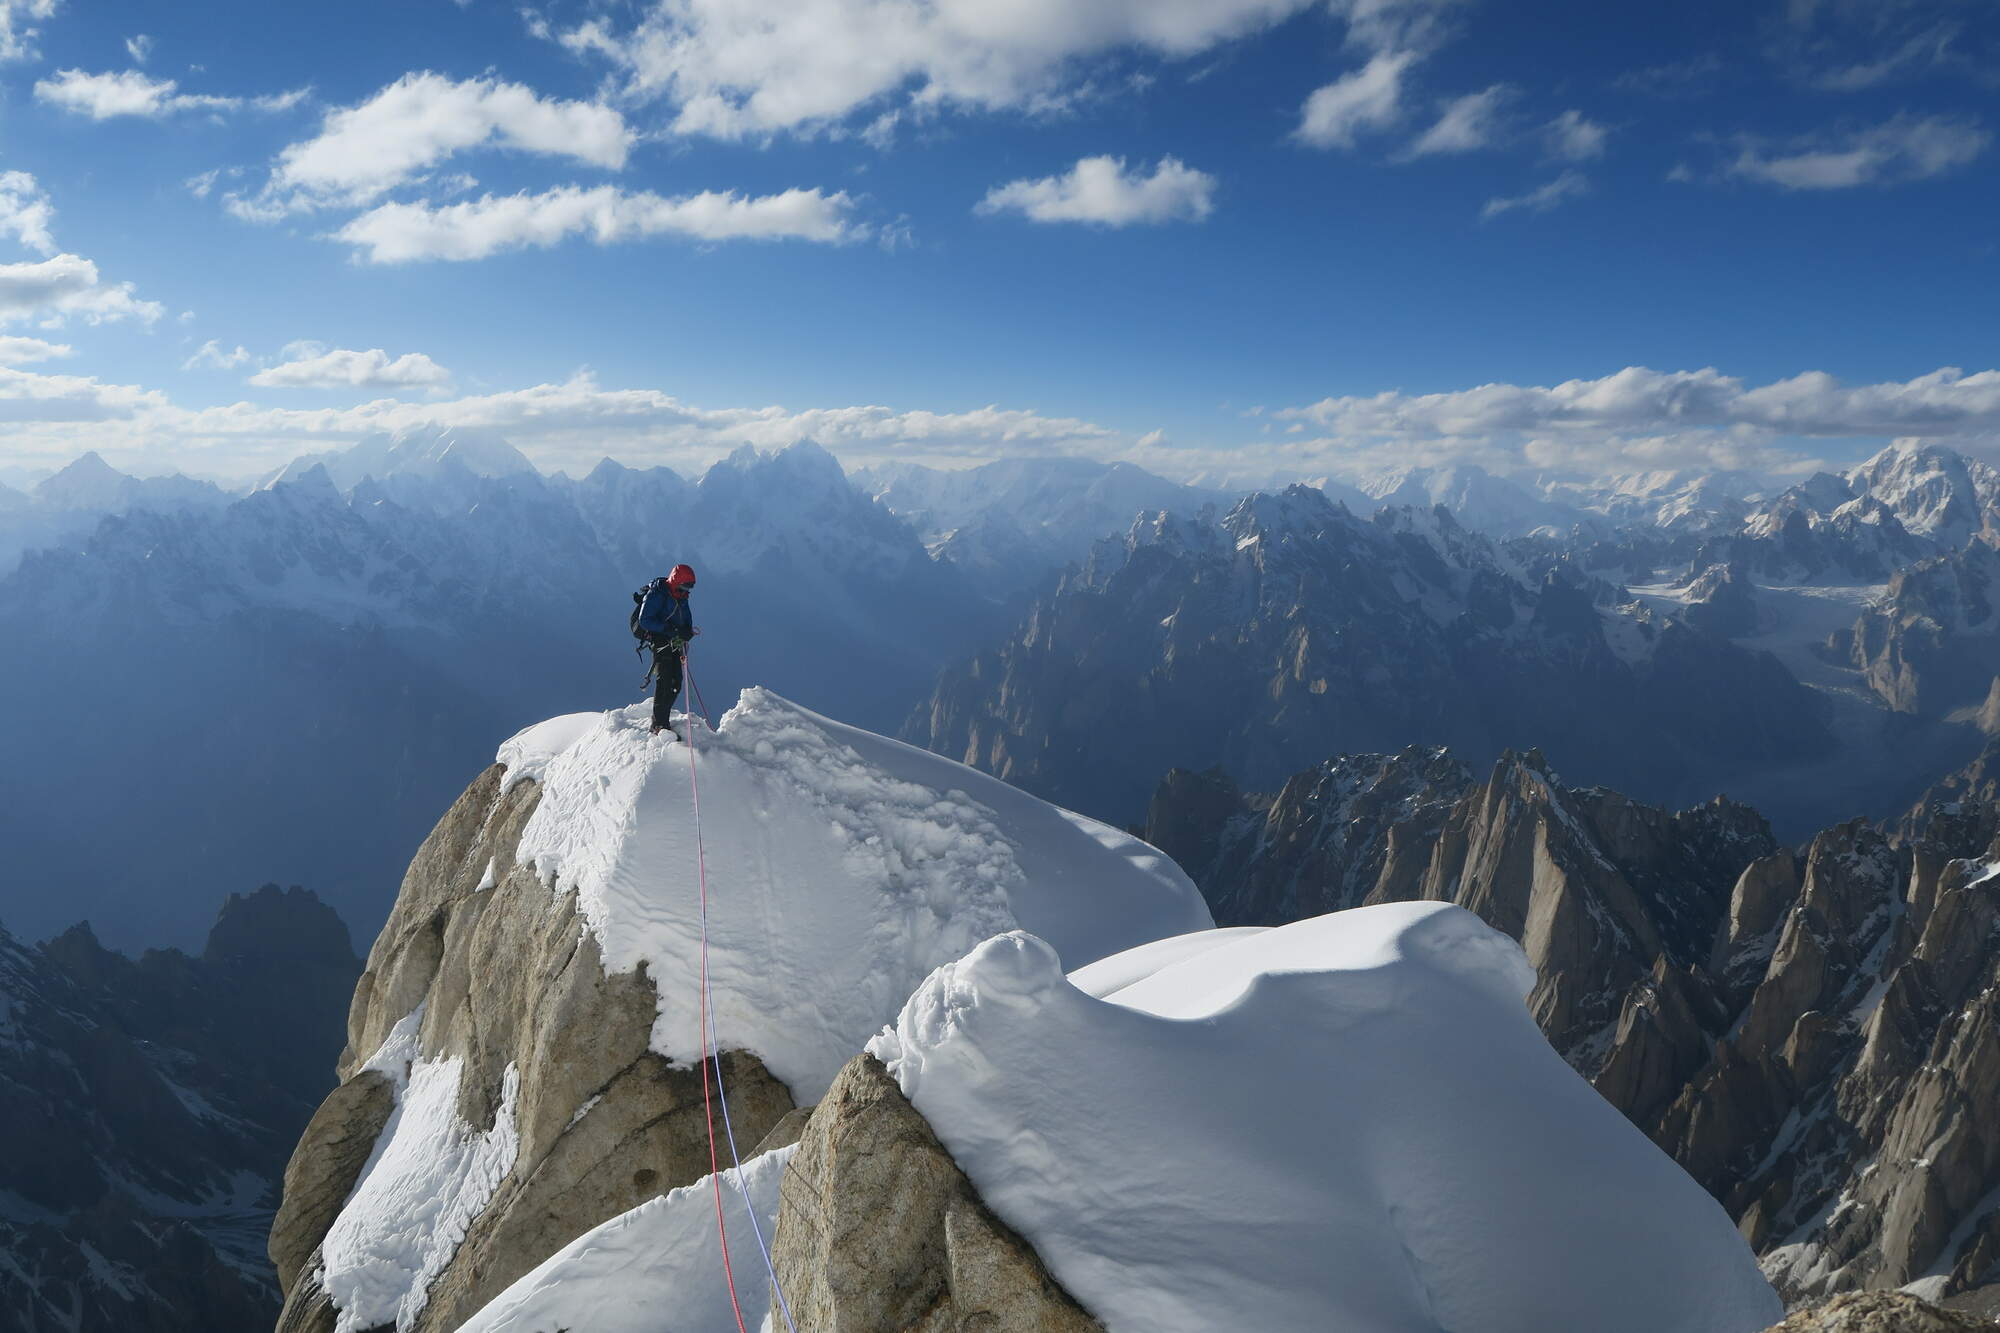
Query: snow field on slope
[(842, 868), (655, 1269), (1350, 1122), (428, 1178)]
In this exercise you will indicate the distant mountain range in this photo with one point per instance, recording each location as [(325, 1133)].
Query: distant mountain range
[(340, 639)]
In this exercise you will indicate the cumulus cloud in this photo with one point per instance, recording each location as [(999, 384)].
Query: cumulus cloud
[(210, 356), (344, 368), (17, 36), (1904, 149), (474, 229), (1370, 98), (363, 151), (1467, 124), (1104, 190), (15, 350), (139, 47), (1574, 137), (730, 71), (123, 93), (25, 212), (67, 286), (1540, 200)]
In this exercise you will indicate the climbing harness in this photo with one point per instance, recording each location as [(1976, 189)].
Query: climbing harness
[(712, 1050)]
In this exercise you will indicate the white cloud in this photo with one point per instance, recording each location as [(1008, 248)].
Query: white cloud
[(1370, 98), (559, 425), (17, 39), (14, 350), (139, 47), (123, 93), (31, 399), (400, 233), (1540, 200), (422, 119), (1103, 190), (1574, 137), (1467, 124), (67, 286), (25, 212), (210, 356), (1901, 150), (1643, 418), (734, 70), (343, 368)]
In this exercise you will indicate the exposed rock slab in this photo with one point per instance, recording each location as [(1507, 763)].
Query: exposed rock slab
[(879, 1229), (1879, 1312), (510, 978)]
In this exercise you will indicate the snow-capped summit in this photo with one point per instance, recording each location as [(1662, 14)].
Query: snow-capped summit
[(416, 451), (1936, 492), (558, 908), (845, 866)]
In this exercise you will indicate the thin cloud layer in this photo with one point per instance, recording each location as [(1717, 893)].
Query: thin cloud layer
[(1541, 199), (404, 233), (1104, 190), (123, 93), (1902, 150), (344, 368)]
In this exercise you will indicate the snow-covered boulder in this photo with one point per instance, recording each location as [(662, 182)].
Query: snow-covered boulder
[(532, 1001), (1351, 1122)]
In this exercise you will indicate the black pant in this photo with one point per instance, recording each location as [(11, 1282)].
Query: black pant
[(667, 667)]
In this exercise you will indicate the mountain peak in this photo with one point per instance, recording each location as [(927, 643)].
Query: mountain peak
[(87, 482)]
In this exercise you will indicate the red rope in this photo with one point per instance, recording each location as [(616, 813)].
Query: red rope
[(707, 1107)]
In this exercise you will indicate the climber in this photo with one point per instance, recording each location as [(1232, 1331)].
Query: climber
[(663, 622)]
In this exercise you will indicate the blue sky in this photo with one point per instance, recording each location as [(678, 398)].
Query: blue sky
[(1244, 238)]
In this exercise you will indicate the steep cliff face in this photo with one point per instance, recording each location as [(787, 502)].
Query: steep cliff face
[(147, 1107), (523, 1058), (1811, 1035), (1596, 887), (1932, 645), (1289, 629)]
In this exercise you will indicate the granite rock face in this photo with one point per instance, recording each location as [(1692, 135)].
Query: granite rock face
[(1879, 1312), (879, 1229), (511, 985)]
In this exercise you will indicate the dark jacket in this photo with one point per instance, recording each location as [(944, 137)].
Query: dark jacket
[(665, 616)]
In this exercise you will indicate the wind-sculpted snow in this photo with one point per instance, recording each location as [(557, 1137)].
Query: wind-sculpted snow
[(842, 868), (655, 1269), (1350, 1122)]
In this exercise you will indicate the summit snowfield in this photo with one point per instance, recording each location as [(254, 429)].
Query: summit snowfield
[(845, 867), (1349, 1122)]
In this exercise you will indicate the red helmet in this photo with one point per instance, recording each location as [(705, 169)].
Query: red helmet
[(682, 577)]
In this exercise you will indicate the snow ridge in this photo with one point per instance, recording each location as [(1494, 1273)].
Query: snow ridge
[(1349, 1122), (843, 868)]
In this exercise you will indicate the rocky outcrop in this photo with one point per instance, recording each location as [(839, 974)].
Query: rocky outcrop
[(1812, 1035), (1599, 889), (1930, 646), (1879, 1312), (509, 984), (1290, 629), (147, 1106), (879, 1229)]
